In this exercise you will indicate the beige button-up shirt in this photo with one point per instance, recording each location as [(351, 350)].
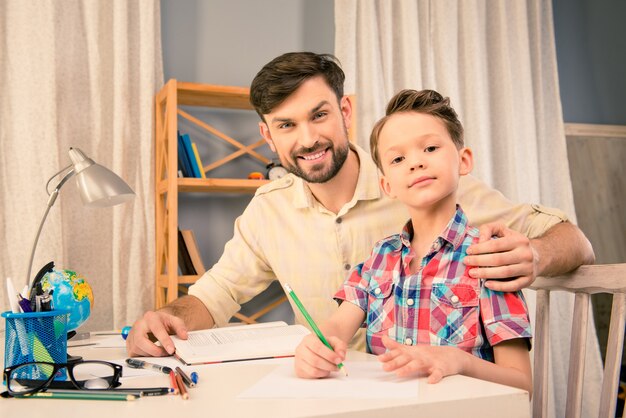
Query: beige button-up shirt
[(285, 234)]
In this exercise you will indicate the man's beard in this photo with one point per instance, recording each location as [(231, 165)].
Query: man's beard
[(319, 174)]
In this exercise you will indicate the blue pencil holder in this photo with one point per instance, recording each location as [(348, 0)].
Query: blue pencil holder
[(36, 336)]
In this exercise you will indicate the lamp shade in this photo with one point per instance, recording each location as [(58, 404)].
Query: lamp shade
[(99, 186)]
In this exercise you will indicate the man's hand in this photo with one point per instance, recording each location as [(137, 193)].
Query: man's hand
[(436, 362), (510, 256), (314, 360), (160, 324)]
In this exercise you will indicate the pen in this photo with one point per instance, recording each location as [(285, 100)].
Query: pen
[(156, 391), (140, 364), (194, 377), (308, 318)]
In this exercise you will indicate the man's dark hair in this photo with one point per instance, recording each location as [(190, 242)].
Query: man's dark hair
[(279, 78), (428, 102)]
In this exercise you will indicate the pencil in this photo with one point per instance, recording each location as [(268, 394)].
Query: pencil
[(186, 379), (84, 396), (308, 318), (173, 382), (181, 387)]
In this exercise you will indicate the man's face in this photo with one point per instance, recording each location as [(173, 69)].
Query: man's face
[(308, 131)]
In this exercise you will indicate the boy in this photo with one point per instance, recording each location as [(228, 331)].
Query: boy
[(423, 313)]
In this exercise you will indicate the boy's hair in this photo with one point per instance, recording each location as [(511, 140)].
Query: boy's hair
[(279, 78), (428, 102)]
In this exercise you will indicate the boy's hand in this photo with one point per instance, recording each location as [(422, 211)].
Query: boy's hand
[(314, 360), (436, 362), (511, 257)]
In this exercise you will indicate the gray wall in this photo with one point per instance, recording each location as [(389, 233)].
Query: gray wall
[(226, 42), (591, 52)]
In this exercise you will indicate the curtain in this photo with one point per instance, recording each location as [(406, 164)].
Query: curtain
[(496, 60), (82, 74)]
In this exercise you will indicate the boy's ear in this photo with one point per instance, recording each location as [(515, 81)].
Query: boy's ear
[(466, 161), (265, 133), (386, 187)]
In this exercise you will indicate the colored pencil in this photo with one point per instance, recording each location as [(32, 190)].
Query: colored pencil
[(173, 382), (312, 323), (186, 379), (181, 387), (84, 396)]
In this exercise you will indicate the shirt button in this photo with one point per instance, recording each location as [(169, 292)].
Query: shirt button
[(377, 291), (410, 302), (454, 299), (346, 266), (338, 220), (408, 341)]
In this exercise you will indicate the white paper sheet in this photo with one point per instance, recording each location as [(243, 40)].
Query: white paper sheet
[(366, 379)]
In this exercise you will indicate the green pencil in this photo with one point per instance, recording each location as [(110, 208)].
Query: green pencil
[(83, 396), (308, 318)]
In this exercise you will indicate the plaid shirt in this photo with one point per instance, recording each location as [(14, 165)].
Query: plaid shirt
[(438, 305)]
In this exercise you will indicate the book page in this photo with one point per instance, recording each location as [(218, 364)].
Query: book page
[(245, 342)]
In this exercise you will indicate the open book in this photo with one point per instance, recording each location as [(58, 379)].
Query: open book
[(243, 342)]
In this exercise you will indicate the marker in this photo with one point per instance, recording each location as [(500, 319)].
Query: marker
[(140, 364), (125, 332), (317, 331), (194, 377)]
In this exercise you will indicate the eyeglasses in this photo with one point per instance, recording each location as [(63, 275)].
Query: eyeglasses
[(26, 378)]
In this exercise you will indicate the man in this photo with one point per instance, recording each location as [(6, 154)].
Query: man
[(311, 226)]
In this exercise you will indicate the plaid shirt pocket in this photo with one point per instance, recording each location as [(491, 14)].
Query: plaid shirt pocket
[(454, 316), (381, 315)]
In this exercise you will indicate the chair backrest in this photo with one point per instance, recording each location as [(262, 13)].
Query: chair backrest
[(584, 281)]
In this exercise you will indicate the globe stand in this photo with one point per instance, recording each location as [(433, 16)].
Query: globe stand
[(71, 358)]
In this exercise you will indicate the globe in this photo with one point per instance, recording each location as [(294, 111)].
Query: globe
[(71, 292)]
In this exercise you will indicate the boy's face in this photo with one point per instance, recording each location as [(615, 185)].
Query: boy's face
[(421, 165), (308, 131)]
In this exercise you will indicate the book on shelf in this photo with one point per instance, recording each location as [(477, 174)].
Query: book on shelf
[(194, 252), (184, 259), (192, 159), (183, 160), (196, 155), (239, 343)]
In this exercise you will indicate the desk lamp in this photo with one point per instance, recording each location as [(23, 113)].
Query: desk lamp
[(98, 186)]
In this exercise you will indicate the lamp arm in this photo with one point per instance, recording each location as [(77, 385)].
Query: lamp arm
[(51, 200)]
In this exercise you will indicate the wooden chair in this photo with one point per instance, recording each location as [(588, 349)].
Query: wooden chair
[(586, 280)]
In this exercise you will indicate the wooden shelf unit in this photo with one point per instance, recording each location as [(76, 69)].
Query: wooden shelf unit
[(167, 185)]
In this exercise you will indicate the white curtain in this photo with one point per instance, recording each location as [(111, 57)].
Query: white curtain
[(80, 73), (496, 60)]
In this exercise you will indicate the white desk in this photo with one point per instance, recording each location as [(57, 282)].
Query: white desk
[(218, 387)]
